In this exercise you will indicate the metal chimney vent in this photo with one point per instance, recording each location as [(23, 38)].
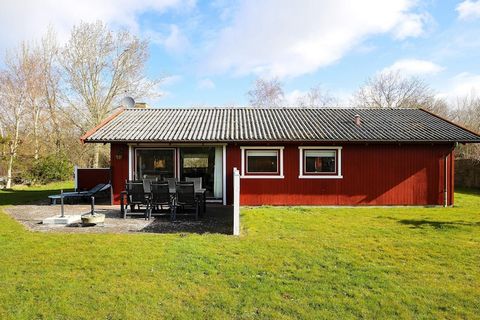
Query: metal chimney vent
[(358, 120)]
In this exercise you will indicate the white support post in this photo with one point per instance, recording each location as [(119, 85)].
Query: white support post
[(130, 159), (236, 202), (75, 175), (224, 175)]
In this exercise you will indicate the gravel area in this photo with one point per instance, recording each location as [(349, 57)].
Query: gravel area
[(218, 219)]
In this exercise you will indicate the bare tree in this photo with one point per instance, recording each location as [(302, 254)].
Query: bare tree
[(266, 93), (439, 106), (466, 112), (48, 56), (101, 66), (392, 90), (13, 104), (316, 97), (32, 70)]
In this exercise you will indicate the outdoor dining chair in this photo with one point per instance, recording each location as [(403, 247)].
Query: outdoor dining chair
[(160, 197), (185, 198), (197, 182), (172, 183), (147, 182), (135, 196), (199, 191)]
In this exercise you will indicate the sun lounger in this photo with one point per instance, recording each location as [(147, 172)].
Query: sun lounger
[(81, 195)]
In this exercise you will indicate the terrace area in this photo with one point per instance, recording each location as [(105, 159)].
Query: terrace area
[(217, 219)]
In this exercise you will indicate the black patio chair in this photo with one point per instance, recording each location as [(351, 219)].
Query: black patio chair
[(147, 182), (172, 183), (134, 195), (185, 198), (160, 197)]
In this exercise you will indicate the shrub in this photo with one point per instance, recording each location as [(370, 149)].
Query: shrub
[(54, 167)]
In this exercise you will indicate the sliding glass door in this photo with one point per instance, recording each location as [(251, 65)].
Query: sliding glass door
[(205, 163)]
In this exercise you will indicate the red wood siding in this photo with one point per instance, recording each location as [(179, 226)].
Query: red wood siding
[(372, 175), (119, 169), (89, 178)]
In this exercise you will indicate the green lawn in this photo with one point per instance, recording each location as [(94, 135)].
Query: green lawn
[(289, 263)]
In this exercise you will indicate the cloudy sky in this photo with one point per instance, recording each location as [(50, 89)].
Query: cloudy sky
[(211, 51)]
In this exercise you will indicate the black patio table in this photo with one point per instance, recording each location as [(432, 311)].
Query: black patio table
[(200, 193)]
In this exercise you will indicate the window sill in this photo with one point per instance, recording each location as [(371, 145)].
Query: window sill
[(262, 177), (319, 177)]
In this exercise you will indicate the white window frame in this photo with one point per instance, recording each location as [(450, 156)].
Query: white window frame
[(338, 163), (262, 176)]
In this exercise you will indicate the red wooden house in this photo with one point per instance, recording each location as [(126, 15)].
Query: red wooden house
[(290, 156)]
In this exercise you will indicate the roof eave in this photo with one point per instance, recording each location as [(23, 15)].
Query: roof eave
[(452, 123), (90, 132), (284, 141)]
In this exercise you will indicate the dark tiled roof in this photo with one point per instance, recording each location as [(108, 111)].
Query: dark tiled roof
[(278, 124)]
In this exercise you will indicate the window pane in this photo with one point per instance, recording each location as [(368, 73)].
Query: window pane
[(154, 164), (199, 162), (195, 160), (320, 161), (264, 161)]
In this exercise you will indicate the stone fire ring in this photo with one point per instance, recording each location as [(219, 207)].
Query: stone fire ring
[(90, 219)]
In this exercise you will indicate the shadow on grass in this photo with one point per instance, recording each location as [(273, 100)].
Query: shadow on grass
[(437, 224), (468, 191), (218, 219), (40, 197), (17, 197)]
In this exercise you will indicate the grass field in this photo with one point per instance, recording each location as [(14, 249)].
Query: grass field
[(289, 263)]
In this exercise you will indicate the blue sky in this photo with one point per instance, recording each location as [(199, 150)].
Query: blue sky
[(210, 52)]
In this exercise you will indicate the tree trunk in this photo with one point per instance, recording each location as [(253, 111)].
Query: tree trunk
[(36, 117), (96, 155), (35, 155), (10, 166), (13, 153)]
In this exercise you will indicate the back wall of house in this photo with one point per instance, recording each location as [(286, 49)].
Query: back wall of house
[(375, 174)]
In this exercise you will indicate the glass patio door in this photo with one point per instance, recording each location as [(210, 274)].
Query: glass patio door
[(204, 162), (154, 163)]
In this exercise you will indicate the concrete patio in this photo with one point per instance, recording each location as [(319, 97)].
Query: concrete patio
[(217, 219)]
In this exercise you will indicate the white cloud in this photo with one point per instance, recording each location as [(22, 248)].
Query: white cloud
[(282, 38), (412, 25), (414, 67), (468, 10), (29, 19), (171, 80), (463, 84), (206, 84), (292, 97), (175, 41)]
